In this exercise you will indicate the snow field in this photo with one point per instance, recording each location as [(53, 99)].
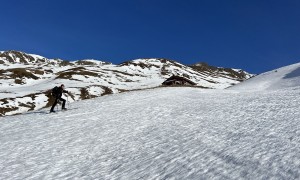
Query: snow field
[(164, 133), (284, 77)]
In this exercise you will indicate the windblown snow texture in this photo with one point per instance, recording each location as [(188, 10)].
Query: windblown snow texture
[(250, 131), (165, 133)]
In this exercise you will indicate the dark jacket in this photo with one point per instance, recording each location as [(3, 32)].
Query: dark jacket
[(59, 92)]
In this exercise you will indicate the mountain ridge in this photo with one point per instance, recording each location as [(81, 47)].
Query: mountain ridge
[(27, 77)]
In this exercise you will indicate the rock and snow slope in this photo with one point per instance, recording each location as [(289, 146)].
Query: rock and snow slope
[(164, 133), (25, 79)]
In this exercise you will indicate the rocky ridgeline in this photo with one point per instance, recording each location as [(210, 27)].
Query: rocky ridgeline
[(26, 79)]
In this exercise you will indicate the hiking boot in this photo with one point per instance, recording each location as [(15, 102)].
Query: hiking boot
[(63, 108), (52, 111)]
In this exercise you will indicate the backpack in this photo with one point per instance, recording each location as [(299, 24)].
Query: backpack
[(55, 91)]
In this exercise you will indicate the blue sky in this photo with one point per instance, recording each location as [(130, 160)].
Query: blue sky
[(254, 35)]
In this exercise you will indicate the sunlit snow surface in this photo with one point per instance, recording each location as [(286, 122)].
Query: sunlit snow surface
[(164, 133), (281, 78)]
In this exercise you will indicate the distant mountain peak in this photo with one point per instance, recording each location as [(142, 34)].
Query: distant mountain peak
[(13, 56)]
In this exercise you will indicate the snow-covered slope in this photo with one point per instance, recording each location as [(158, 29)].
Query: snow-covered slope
[(26, 79), (165, 133), (285, 77)]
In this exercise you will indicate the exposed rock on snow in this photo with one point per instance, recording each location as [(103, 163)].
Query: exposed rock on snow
[(249, 131), (24, 74)]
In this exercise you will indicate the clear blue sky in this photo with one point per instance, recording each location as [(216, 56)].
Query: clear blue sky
[(254, 35)]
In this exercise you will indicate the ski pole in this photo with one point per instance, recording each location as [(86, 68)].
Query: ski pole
[(57, 104), (68, 102)]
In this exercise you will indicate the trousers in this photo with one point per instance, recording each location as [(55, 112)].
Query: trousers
[(55, 102)]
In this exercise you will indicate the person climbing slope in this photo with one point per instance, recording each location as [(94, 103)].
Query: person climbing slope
[(57, 93)]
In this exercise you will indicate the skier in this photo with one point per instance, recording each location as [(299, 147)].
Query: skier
[(57, 93)]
